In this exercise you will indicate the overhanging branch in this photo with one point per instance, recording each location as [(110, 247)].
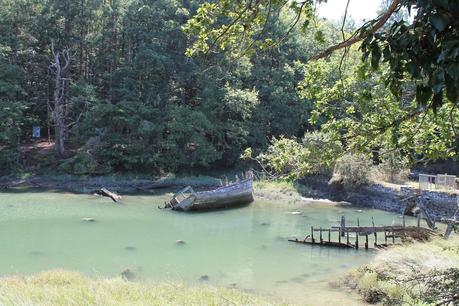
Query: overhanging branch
[(378, 24)]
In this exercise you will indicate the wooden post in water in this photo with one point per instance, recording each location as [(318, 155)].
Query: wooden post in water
[(339, 237), (357, 234), (312, 234), (404, 224), (347, 235), (419, 219), (376, 235), (321, 240), (393, 236), (366, 242), (385, 237), (343, 225), (329, 235)]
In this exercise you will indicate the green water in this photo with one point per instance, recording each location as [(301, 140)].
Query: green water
[(246, 248)]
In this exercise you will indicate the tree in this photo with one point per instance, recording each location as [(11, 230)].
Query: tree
[(424, 50), (60, 65)]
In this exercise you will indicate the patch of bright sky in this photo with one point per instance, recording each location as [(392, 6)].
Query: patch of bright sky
[(359, 10)]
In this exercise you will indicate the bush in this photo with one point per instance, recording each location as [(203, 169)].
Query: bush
[(84, 163), (352, 170), (289, 159), (393, 168)]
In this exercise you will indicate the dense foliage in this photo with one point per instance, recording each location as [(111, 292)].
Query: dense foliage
[(132, 100), (137, 85)]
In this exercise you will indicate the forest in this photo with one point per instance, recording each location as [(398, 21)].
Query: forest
[(122, 86)]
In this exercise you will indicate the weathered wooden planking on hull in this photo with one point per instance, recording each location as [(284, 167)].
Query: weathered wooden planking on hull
[(232, 195)]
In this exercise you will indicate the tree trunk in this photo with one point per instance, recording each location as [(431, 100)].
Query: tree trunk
[(58, 109)]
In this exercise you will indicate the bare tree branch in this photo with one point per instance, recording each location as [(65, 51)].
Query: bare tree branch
[(375, 26)]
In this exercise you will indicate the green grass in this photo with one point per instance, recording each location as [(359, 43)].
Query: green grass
[(70, 288), (385, 278)]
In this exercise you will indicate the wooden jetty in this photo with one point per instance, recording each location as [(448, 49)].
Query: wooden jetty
[(342, 239)]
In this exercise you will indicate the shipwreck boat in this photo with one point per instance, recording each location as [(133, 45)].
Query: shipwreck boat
[(232, 195)]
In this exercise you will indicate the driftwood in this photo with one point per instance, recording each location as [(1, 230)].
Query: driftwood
[(107, 193)]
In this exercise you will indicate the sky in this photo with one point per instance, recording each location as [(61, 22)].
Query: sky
[(358, 9)]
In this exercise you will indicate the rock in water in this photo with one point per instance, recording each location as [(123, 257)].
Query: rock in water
[(295, 212), (127, 274), (204, 278), (180, 242), (88, 219), (130, 248)]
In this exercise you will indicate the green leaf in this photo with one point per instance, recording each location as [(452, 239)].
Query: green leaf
[(413, 69), (319, 37), (375, 57), (442, 3), (439, 22), (423, 94), (438, 80), (451, 89), (437, 101)]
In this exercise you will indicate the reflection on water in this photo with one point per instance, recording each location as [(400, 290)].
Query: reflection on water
[(243, 248)]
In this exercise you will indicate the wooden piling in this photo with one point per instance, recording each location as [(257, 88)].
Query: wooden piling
[(321, 240), (312, 234), (357, 241), (375, 233), (343, 225), (366, 242), (329, 235), (357, 235), (385, 237)]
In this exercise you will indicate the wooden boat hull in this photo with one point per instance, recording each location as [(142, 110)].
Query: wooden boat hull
[(233, 195)]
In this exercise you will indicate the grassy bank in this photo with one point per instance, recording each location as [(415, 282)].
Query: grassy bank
[(408, 275), (280, 191), (70, 288)]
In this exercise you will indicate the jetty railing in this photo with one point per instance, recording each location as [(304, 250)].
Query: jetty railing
[(435, 182), (342, 238)]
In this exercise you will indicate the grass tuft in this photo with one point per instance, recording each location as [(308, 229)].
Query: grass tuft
[(63, 288)]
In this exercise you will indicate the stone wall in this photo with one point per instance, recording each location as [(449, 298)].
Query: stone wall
[(438, 204)]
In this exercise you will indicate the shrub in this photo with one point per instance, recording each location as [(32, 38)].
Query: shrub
[(289, 159), (84, 163), (393, 168), (352, 170)]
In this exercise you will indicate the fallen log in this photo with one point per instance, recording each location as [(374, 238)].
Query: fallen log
[(107, 193)]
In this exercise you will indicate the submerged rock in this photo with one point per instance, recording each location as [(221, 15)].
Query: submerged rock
[(88, 219), (265, 224), (130, 248), (295, 212), (204, 278), (181, 242), (36, 253), (232, 285), (127, 274), (297, 279)]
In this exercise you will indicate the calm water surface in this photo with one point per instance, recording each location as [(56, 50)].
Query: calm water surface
[(246, 248)]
